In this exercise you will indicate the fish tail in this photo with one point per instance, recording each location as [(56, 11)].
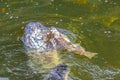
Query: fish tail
[(90, 55)]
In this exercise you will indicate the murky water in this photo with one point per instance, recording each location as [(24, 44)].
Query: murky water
[(96, 24)]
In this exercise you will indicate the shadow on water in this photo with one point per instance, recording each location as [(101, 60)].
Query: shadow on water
[(96, 24)]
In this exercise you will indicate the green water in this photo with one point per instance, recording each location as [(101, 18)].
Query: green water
[(95, 22)]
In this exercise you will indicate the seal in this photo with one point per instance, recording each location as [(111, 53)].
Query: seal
[(42, 45)]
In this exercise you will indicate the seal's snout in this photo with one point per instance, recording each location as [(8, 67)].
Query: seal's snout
[(34, 37)]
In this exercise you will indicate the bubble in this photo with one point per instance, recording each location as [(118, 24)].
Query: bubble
[(106, 1), (22, 27), (23, 22), (36, 4), (10, 34), (60, 4), (107, 32), (80, 17), (7, 13), (56, 14), (61, 20), (56, 22), (81, 23), (7, 6), (17, 17), (11, 17), (56, 9), (52, 0), (96, 24), (114, 3), (81, 31), (6, 3), (50, 3)]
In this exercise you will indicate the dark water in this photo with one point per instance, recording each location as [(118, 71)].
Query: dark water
[(95, 22)]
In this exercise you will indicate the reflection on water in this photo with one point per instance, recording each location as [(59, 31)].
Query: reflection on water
[(96, 24)]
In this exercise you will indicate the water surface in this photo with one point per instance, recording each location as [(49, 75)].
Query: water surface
[(96, 23)]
